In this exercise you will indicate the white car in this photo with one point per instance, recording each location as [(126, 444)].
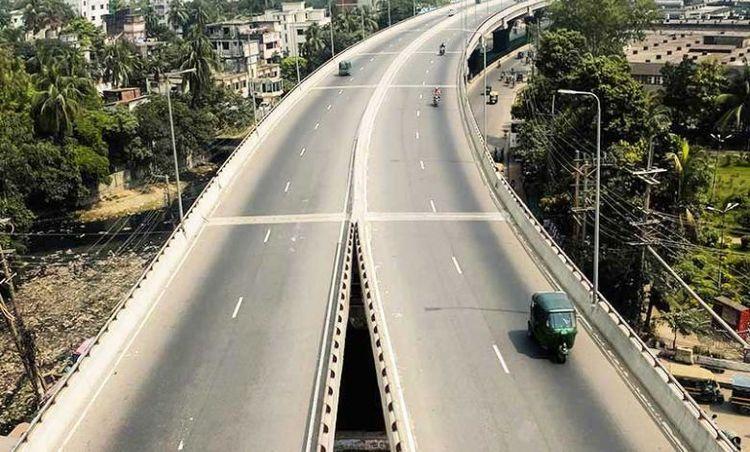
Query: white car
[(451, 12)]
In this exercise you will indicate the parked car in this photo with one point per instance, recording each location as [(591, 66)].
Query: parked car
[(740, 398)]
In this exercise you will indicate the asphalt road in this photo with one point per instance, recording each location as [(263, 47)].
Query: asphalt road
[(210, 372), (455, 295), (228, 358)]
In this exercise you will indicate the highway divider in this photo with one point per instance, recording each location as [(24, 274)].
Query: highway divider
[(76, 391), (379, 351), (693, 425)]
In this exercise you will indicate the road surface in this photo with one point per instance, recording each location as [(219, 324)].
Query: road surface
[(228, 358), (455, 294)]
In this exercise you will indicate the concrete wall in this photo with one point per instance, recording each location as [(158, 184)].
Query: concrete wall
[(687, 418)]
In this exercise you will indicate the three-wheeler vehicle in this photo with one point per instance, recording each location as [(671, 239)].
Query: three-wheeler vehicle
[(492, 100), (487, 90), (698, 382), (740, 398), (345, 67), (552, 323)]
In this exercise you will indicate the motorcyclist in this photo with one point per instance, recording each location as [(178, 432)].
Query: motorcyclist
[(436, 93), (442, 48)]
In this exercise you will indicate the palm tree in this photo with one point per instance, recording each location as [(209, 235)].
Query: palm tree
[(314, 41), (39, 14), (200, 56), (119, 64), (736, 104), (57, 101), (681, 162), (370, 19), (178, 14), (683, 321)]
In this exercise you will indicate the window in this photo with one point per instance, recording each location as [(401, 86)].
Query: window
[(225, 45), (101, 6), (93, 7), (300, 32)]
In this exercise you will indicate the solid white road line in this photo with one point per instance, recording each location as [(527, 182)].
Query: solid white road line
[(237, 307), (432, 205), (268, 234), (302, 152), (421, 164), (286, 189), (455, 264), (500, 358)]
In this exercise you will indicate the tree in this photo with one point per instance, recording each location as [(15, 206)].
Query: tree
[(560, 53), (289, 67), (735, 105), (119, 63), (367, 18), (58, 101), (199, 55), (607, 25), (315, 43), (178, 14), (683, 321), (40, 14), (690, 92)]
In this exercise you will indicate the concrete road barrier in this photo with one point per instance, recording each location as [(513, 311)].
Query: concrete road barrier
[(683, 413)]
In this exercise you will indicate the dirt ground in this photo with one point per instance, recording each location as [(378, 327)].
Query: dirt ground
[(128, 202), (63, 305)]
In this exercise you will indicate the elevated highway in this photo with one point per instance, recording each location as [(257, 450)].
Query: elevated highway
[(231, 355)]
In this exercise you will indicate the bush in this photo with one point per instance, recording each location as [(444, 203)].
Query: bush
[(745, 243)]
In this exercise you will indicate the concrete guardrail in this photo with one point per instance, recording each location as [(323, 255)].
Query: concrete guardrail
[(694, 426)]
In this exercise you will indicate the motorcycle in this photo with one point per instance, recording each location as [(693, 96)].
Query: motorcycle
[(442, 50), (435, 100)]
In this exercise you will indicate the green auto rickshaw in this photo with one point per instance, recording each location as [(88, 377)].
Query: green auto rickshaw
[(492, 98), (345, 67), (552, 323)]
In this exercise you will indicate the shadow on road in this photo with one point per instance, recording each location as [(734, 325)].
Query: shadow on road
[(524, 345)]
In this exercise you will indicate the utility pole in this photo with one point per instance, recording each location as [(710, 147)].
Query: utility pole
[(330, 12), (22, 338), (251, 85), (719, 139)]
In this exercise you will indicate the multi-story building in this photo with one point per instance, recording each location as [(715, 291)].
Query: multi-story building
[(126, 25), (294, 19), (245, 51), (93, 10)]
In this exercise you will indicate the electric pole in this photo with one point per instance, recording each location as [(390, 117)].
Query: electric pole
[(22, 338)]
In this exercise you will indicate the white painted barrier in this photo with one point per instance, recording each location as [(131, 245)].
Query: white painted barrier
[(686, 416), (59, 415)]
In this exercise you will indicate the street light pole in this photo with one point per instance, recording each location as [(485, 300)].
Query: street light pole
[(595, 296), (720, 139), (174, 145), (330, 13), (484, 54), (722, 213)]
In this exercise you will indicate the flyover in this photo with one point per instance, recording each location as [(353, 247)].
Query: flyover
[(230, 354)]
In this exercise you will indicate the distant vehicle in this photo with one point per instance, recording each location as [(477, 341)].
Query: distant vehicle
[(487, 90), (492, 100), (451, 12), (519, 77), (519, 56), (698, 382), (345, 67), (552, 323), (740, 398)]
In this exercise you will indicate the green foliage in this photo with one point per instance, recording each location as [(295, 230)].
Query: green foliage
[(39, 14), (289, 67), (690, 92), (560, 53), (119, 62), (199, 56), (87, 33), (684, 321), (607, 25), (93, 167), (193, 130)]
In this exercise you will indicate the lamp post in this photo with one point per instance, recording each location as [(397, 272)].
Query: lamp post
[(595, 296), (174, 145), (330, 13), (719, 139), (484, 55), (722, 213)]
